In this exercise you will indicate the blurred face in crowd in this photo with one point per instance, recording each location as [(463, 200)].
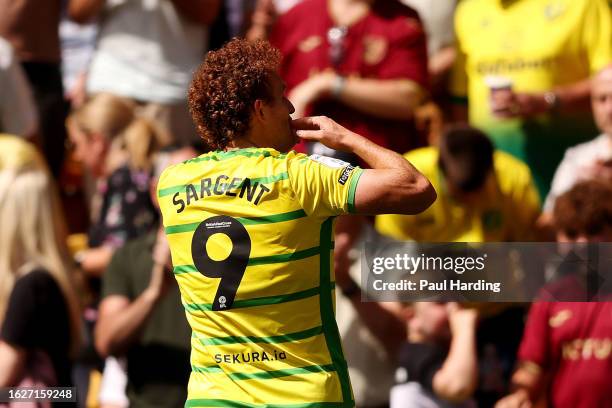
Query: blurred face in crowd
[(429, 322), (601, 98), (584, 213), (605, 235), (89, 148), (468, 198), (466, 162), (276, 120)]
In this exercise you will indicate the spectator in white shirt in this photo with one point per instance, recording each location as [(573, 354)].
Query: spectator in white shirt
[(147, 50), (593, 159)]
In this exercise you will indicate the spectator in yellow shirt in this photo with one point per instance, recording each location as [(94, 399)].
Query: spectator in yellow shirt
[(539, 55), (483, 195)]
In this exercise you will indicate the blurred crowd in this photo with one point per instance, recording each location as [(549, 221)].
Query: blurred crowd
[(505, 106)]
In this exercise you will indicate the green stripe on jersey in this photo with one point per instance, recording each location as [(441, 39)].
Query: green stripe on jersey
[(282, 338), (177, 229), (270, 179), (271, 219), (294, 256), (326, 307), (237, 404), (262, 260), (261, 301), (209, 369), (268, 375), (163, 192), (185, 269), (268, 219), (222, 155), (353, 189)]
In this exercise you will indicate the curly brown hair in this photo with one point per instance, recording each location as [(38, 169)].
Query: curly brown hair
[(585, 209), (226, 86)]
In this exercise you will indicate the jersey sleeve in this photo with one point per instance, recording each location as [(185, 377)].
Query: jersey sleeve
[(597, 34), (324, 186)]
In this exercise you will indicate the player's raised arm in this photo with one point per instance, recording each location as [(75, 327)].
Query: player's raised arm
[(391, 186)]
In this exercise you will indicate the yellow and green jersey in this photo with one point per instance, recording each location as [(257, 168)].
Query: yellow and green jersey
[(539, 45), (250, 232)]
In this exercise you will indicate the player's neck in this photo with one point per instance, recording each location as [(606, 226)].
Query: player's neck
[(241, 143)]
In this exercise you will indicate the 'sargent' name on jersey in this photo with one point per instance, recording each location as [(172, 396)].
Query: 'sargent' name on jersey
[(237, 187)]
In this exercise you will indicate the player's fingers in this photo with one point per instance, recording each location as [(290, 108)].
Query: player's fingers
[(310, 134), (305, 123), (310, 122)]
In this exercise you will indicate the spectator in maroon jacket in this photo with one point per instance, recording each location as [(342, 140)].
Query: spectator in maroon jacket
[(566, 351), (364, 63)]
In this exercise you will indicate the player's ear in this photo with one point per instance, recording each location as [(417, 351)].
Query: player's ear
[(259, 110)]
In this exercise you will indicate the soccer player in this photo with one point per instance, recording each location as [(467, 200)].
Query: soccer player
[(250, 230)]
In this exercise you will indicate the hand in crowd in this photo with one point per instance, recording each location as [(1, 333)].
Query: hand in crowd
[(93, 261), (342, 265), (161, 274), (429, 121), (314, 88), (262, 20), (348, 230), (507, 104), (77, 95), (518, 399), (461, 318)]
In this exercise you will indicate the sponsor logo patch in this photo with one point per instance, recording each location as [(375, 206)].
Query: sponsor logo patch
[(345, 174), (329, 161)]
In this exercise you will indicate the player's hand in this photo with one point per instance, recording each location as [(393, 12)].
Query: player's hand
[(324, 130), (518, 399)]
